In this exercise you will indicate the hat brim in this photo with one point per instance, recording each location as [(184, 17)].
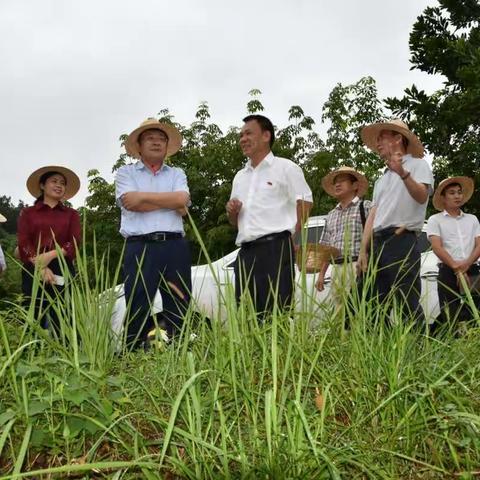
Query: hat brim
[(2, 218), (370, 134), (329, 187), (132, 146), (71, 188), (466, 183)]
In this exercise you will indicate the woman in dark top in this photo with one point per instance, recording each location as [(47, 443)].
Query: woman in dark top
[(44, 230)]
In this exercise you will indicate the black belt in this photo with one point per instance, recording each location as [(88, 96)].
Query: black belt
[(155, 237), (266, 238), (339, 261), (389, 231)]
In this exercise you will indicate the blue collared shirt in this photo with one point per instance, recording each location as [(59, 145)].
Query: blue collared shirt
[(138, 178)]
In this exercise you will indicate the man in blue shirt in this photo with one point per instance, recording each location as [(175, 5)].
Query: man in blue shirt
[(153, 196)]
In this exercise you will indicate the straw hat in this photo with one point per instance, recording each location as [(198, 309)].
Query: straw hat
[(328, 180), (370, 134), (2, 219), (71, 188), (174, 138), (467, 188)]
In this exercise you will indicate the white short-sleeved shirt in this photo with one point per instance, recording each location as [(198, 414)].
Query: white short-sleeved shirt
[(137, 177), (457, 233), (269, 194), (395, 206)]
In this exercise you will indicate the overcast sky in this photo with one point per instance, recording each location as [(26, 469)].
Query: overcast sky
[(77, 74)]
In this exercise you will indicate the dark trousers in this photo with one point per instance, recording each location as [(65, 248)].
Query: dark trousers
[(44, 310), (396, 258), (266, 268), (149, 266), (452, 307)]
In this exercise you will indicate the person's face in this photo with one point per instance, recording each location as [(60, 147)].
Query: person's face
[(387, 142), (54, 187), (153, 144), (453, 197), (253, 139), (344, 187)]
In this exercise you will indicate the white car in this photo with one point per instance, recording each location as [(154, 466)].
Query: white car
[(212, 283)]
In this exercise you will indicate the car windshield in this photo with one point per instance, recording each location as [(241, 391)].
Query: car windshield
[(313, 235)]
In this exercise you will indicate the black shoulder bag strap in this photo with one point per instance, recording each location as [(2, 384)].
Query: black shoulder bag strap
[(362, 213)]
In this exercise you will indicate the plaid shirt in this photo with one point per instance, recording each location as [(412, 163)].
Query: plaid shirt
[(343, 228)]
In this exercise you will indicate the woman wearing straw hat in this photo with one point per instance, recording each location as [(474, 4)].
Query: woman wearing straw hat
[(455, 239), (3, 263), (343, 229), (46, 229)]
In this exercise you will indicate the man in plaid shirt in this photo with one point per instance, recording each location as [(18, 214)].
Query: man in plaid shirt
[(343, 229)]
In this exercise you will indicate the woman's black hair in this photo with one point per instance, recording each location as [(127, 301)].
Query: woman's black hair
[(44, 178)]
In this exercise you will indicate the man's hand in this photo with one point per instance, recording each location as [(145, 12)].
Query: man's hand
[(182, 211), (234, 206), (320, 284), (460, 267), (362, 263), (395, 156), (132, 200)]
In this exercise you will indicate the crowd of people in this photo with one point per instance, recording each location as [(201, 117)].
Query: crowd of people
[(270, 201)]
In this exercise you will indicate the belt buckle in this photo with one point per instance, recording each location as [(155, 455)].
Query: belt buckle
[(159, 237)]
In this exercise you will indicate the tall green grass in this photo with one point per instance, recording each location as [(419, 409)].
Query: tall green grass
[(296, 397)]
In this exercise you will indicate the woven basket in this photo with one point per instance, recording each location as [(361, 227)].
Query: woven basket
[(311, 257)]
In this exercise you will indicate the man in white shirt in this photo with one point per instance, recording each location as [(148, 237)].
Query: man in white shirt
[(270, 200), (400, 199), (455, 239)]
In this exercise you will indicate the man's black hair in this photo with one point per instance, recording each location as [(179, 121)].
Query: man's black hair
[(265, 124), (455, 184)]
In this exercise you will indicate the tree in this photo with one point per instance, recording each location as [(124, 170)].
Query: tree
[(445, 40)]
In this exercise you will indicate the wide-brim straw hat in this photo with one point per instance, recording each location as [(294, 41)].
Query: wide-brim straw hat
[(329, 179), (467, 188), (370, 134), (71, 188), (2, 219), (174, 137)]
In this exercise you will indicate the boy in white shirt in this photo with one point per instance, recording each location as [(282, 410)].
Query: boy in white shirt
[(455, 239)]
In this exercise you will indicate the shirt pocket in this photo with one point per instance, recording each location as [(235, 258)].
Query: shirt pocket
[(268, 190)]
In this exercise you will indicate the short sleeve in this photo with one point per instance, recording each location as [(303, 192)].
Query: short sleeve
[(367, 205), (376, 189), (422, 173), (297, 185), (234, 192), (123, 183), (433, 227), (180, 183), (476, 227)]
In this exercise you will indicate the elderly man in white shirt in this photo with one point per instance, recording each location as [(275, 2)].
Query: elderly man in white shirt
[(400, 199), (455, 239), (270, 201)]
